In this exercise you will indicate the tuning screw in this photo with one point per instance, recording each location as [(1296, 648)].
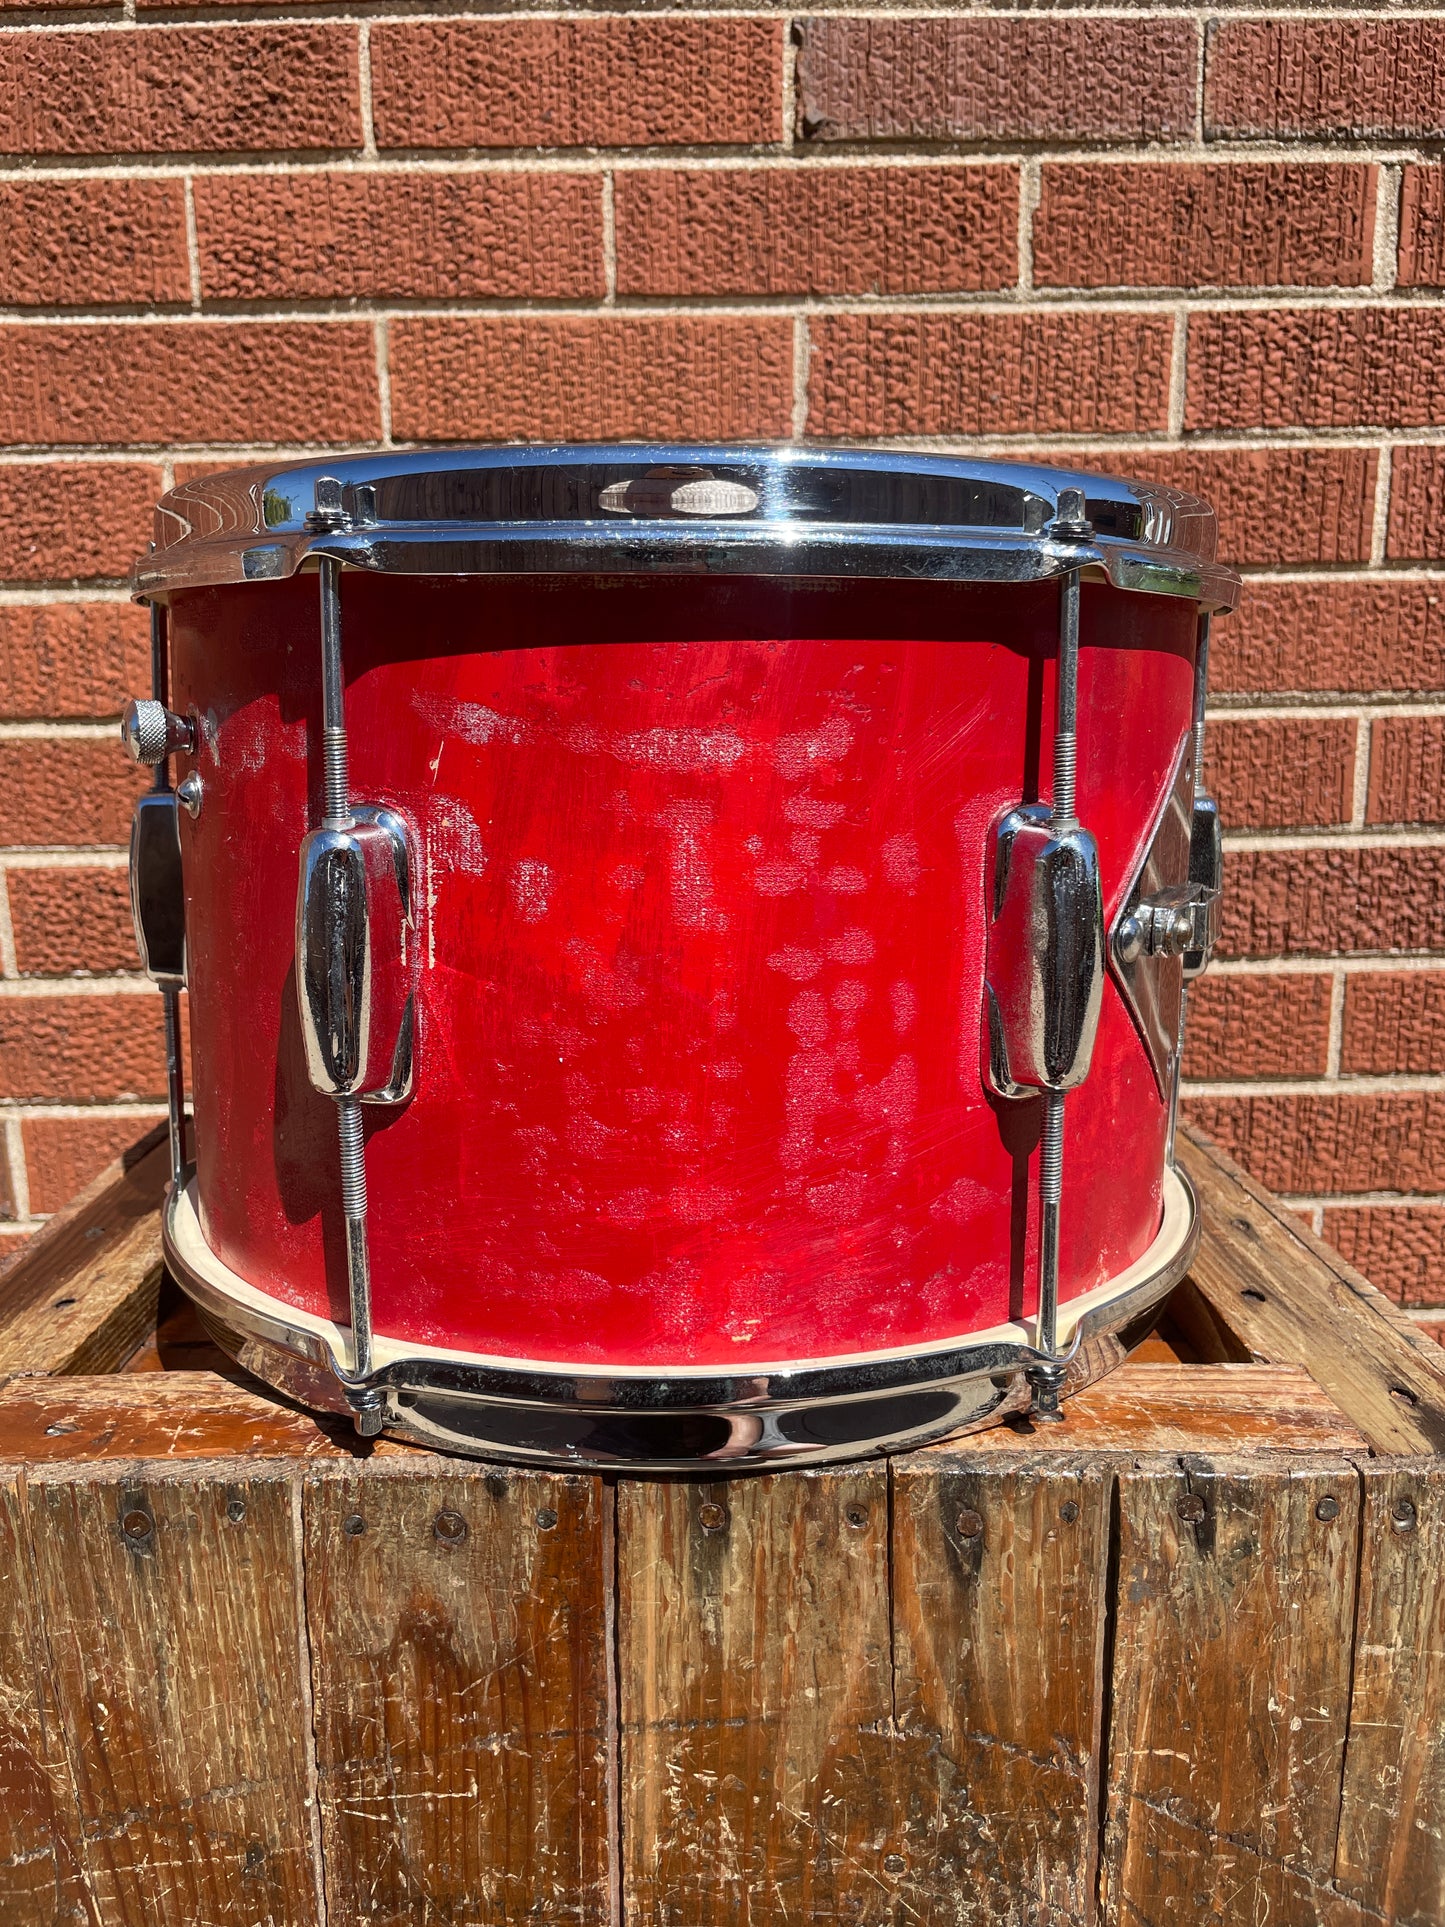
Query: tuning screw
[(151, 732)]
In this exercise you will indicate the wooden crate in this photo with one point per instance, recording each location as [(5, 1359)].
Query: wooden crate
[(1178, 1660)]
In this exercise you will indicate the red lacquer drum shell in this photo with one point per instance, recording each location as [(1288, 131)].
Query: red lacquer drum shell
[(666, 981)]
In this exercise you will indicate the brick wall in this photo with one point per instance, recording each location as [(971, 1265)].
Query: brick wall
[(1203, 246)]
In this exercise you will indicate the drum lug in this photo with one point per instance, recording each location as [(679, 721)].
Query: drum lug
[(355, 959), (1206, 873), (1044, 980), (157, 892)]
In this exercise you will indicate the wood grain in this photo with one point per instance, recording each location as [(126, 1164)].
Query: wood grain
[(173, 1659), (1295, 1302), (1000, 1584), (756, 1701), (1230, 1688), (460, 1691), (1391, 1852), (82, 1293), (1184, 1408), (157, 1416), (42, 1878)]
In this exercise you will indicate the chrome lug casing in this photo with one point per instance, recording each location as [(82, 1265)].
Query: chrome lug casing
[(1044, 978), (356, 966), (157, 889)]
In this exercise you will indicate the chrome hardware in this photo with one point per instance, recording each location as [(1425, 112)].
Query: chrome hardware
[(151, 732), (353, 918), (1177, 922), (355, 966), (190, 793), (157, 893), (816, 514), (1206, 874), (777, 1414), (1044, 978), (1044, 972)]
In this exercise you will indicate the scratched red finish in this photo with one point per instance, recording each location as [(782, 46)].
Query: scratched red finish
[(701, 929)]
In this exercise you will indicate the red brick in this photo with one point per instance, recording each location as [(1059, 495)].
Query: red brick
[(1336, 78), (1394, 1022), (1258, 1026), (1422, 228), (1330, 636), (74, 521), (72, 920), (63, 1154), (1316, 368), (1325, 902), (93, 243), (214, 381), (174, 90), (1274, 773), (66, 659), (942, 374), (591, 379), (1407, 770), (816, 230), (1239, 224), (70, 791), (1417, 505), (602, 82), (82, 1048), (1314, 1142), (438, 236), (1275, 505), (971, 79), (1399, 1248)]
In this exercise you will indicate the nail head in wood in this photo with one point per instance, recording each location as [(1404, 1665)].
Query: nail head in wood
[(450, 1527), (970, 1525), (1190, 1508), (711, 1516)]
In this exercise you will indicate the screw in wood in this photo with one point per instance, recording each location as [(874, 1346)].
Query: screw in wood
[(546, 1519), (1069, 1512), (353, 1525), (1402, 1515), (235, 1510), (450, 1527), (856, 1515), (1190, 1508), (711, 1516), (1328, 1508), (894, 1863), (970, 1525), (137, 1525)]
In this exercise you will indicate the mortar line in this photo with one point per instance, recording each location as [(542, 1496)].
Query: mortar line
[(19, 1173), (1335, 1046)]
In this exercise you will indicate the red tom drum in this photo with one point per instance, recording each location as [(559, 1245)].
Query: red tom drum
[(685, 948)]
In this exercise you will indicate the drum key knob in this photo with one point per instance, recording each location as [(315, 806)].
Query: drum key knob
[(151, 732)]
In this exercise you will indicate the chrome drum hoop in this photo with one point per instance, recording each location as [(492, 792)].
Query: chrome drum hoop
[(694, 1419)]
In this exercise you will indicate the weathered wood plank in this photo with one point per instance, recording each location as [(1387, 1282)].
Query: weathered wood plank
[(81, 1295), (756, 1701), (1183, 1408), (170, 1624), (1294, 1302), (460, 1683), (156, 1416), (1391, 1851), (41, 1875), (1000, 1572), (1230, 1688)]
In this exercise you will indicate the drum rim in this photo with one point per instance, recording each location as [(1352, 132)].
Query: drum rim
[(299, 1353), (265, 522)]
